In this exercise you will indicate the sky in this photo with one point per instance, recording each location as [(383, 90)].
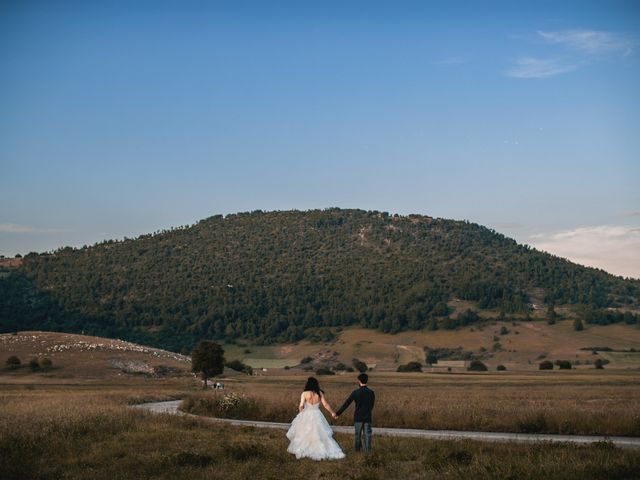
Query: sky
[(123, 118)]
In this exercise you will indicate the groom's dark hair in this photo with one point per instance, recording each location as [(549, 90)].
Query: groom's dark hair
[(363, 378)]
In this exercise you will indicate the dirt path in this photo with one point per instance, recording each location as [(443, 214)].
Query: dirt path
[(171, 407)]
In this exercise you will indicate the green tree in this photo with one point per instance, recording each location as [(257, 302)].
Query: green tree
[(551, 315), (207, 358), (577, 325)]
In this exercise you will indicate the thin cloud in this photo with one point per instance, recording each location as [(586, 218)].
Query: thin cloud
[(635, 213), (529, 67), (592, 42), (575, 49), (615, 249), (450, 61), (14, 228)]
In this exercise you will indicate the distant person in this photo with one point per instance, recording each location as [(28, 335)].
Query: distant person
[(365, 399), (310, 434)]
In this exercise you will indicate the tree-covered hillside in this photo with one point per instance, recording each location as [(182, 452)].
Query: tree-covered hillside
[(269, 276)]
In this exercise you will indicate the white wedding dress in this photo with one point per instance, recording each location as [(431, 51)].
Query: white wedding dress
[(311, 435)]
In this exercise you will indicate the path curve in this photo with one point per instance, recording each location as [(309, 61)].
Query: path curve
[(171, 407)]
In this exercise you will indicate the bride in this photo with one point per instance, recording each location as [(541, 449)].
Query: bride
[(310, 434)]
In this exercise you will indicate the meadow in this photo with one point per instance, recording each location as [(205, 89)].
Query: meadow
[(86, 431), (73, 422), (567, 402)]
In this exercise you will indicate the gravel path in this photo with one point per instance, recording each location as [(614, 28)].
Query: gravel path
[(171, 407)]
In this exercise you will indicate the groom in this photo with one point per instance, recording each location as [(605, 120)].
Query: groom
[(364, 398)]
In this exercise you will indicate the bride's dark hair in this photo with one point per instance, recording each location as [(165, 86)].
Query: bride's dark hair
[(312, 385)]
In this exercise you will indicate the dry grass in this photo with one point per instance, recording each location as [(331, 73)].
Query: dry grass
[(81, 356), (547, 402), (519, 350), (89, 433)]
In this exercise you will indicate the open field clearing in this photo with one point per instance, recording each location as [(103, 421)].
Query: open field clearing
[(588, 402), (88, 432), (519, 349), (73, 421)]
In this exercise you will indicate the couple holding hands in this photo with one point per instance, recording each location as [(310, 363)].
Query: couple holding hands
[(311, 435)]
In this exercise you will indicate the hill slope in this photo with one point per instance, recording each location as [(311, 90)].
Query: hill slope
[(82, 356), (271, 276)]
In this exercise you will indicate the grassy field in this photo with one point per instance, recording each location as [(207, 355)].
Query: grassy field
[(569, 402), (73, 421), (82, 431), (519, 349)]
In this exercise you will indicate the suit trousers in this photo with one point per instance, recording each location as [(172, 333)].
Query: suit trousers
[(363, 427)]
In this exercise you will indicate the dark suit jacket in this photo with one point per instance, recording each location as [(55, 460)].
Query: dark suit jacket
[(364, 398)]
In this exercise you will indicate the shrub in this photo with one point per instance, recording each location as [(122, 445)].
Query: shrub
[(535, 423), (238, 366), (45, 363), (445, 353), (599, 363), (577, 325), (324, 371), (504, 330), (501, 368), (229, 405), (33, 364), (341, 367), (13, 362), (306, 360), (563, 364), (410, 367), (359, 365), (546, 365), (477, 366)]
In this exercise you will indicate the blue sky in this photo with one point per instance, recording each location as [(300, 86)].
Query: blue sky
[(122, 118)]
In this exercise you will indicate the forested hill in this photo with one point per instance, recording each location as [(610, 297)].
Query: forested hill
[(271, 276)]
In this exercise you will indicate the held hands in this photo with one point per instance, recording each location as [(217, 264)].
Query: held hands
[(335, 417)]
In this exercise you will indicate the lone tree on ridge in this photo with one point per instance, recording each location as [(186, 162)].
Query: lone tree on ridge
[(208, 359)]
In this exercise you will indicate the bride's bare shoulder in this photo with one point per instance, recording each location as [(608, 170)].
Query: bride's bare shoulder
[(310, 395)]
